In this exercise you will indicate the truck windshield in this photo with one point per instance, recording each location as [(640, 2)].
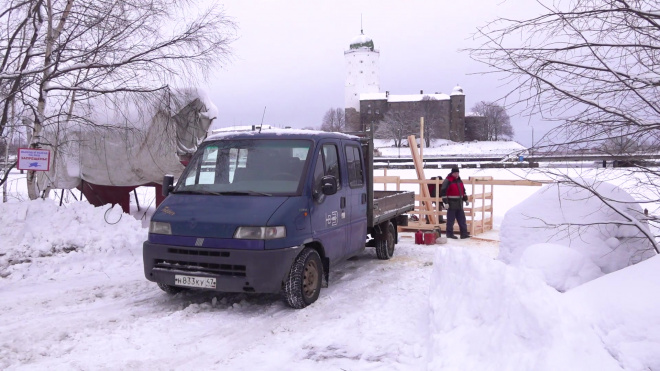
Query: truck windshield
[(247, 167)]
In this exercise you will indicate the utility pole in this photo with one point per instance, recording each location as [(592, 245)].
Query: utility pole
[(421, 135)]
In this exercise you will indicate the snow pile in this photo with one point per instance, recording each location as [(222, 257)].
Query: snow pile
[(624, 308), (559, 266), (33, 233), (485, 315), (593, 235)]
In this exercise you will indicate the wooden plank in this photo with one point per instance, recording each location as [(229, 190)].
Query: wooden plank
[(484, 196), (415, 226), (386, 179), (419, 168)]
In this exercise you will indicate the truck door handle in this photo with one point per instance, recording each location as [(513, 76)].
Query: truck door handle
[(342, 202), (364, 198)]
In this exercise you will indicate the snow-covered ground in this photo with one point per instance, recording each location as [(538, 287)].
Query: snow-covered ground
[(73, 296), (443, 147)]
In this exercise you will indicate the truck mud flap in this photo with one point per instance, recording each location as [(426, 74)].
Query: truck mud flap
[(326, 272)]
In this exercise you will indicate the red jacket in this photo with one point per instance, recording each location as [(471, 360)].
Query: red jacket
[(452, 187)]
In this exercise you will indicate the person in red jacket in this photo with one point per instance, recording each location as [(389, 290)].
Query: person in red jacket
[(453, 195)]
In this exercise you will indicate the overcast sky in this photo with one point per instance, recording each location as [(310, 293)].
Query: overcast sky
[(289, 56)]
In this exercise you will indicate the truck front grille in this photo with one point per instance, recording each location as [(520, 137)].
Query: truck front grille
[(198, 252), (211, 268)]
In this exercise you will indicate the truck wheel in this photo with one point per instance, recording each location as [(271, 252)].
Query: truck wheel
[(303, 285), (170, 289), (385, 242)]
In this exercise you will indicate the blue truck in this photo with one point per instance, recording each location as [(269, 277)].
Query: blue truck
[(271, 212)]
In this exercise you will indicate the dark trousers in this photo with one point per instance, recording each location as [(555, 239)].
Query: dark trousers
[(459, 216)]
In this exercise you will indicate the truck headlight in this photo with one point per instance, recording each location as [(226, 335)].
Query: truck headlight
[(260, 233), (160, 228)]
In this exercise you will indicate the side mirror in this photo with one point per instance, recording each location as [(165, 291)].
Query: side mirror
[(168, 184), (329, 185)]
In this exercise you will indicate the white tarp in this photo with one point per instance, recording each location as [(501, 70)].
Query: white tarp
[(132, 144)]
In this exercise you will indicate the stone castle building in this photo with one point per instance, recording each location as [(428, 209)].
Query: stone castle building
[(366, 104)]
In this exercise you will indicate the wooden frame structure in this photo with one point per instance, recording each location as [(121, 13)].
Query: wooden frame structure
[(479, 213), (430, 215)]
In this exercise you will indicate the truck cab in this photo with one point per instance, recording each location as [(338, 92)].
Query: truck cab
[(261, 212)]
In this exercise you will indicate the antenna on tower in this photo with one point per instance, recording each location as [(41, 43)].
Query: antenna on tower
[(361, 29), (262, 120)]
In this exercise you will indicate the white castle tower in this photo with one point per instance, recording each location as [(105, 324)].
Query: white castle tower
[(361, 70)]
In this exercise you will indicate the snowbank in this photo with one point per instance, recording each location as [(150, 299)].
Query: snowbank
[(559, 266), (41, 239), (624, 307), (485, 315), (570, 216)]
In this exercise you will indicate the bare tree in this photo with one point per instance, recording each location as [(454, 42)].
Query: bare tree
[(334, 120), (589, 65), (497, 124), (620, 146), (435, 121), (593, 67), (397, 125), (58, 54)]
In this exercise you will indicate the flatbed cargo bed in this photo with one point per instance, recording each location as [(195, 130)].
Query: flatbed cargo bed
[(390, 204)]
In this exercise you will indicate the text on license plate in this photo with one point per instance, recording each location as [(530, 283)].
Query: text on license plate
[(191, 281)]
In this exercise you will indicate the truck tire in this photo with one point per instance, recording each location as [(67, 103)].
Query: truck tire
[(385, 241), (170, 289), (303, 285)]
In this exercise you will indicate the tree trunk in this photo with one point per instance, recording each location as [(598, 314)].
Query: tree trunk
[(52, 35)]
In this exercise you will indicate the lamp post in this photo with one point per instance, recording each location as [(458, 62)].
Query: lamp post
[(531, 150)]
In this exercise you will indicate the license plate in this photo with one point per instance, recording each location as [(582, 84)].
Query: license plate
[(192, 281)]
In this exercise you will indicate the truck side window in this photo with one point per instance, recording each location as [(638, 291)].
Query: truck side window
[(354, 163), (331, 157), (327, 163)]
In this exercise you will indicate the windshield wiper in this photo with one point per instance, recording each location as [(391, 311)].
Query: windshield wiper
[(196, 192), (244, 193)]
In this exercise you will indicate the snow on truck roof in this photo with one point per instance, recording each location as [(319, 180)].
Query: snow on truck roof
[(270, 132)]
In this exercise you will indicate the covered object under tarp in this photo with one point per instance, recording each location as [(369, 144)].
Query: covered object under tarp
[(117, 149)]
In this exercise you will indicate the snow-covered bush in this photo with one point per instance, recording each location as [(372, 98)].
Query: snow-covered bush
[(570, 215)]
